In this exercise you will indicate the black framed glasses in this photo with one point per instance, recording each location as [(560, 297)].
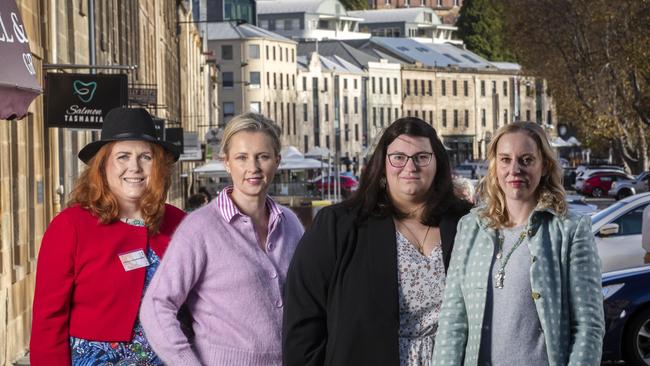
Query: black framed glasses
[(399, 160)]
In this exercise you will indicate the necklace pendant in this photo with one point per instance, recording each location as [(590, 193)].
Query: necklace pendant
[(498, 279), (499, 255)]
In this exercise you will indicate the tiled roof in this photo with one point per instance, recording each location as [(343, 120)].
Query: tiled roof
[(230, 30)]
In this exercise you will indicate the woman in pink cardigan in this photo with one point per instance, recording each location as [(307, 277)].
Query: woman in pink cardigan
[(228, 261)]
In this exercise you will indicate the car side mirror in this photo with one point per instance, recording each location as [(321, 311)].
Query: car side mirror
[(608, 229)]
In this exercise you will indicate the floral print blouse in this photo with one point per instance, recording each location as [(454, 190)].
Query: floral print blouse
[(421, 281)]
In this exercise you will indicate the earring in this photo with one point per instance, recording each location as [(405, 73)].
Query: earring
[(382, 182)]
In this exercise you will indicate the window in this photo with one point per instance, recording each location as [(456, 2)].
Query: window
[(466, 118), (275, 82), (482, 88), (388, 116), (443, 87), (381, 117), (483, 119), (415, 87), (273, 53), (444, 118), (280, 52), (356, 105), (327, 112), (293, 80), (454, 88), (254, 51), (228, 109), (355, 84), (395, 85), (226, 52), (396, 112), (381, 85), (304, 83), (528, 115), (281, 82), (228, 81), (630, 223), (465, 88), (374, 116), (268, 109), (431, 117), (430, 87), (304, 112), (255, 107), (267, 52), (356, 132), (306, 142), (529, 90), (388, 86), (416, 114), (325, 84), (455, 118), (345, 105), (505, 88), (494, 87), (286, 54), (327, 141), (255, 80), (408, 87), (345, 84), (422, 86), (505, 117), (268, 79), (373, 84)]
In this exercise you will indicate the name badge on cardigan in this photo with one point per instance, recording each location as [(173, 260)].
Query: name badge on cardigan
[(133, 260)]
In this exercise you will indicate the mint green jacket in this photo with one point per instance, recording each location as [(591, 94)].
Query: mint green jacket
[(565, 279)]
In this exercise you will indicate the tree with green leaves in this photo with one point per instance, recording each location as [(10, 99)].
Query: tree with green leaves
[(355, 4), (480, 26)]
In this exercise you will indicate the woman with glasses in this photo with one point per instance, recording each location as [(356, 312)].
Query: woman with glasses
[(365, 284), (524, 282)]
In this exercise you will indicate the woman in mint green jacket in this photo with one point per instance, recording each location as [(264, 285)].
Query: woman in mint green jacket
[(524, 283)]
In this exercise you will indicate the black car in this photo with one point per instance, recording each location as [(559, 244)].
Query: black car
[(627, 316)]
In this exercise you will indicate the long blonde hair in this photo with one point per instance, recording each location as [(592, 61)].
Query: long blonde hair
[(550, 192)]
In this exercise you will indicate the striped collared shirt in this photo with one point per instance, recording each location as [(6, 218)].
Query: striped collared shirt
[(229, 210)]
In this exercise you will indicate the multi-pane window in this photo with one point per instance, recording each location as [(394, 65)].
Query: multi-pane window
[(430, 89), (228, 109), (228, 79), (465, 88), (455, 118), (443, 87), (226, 52), (466, 118), (505, 88), (356, 105), (483, 118), (482, 88), (444, 118), (254, 51), (255, 79), (454, 88), (345, 105)]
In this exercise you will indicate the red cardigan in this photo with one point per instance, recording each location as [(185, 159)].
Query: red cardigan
[(82, 289)]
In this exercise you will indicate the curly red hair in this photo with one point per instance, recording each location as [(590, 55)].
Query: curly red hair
[(91, 190)]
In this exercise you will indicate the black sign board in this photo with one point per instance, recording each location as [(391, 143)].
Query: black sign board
[(143, 96), (175, 136), (82, 100), (159, 124)]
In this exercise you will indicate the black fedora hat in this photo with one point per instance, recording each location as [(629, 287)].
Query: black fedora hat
[(122, 124)]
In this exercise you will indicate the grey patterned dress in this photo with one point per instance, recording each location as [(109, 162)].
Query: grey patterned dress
[(421, 282)]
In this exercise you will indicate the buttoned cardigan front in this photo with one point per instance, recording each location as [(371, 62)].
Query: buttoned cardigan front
[(565, 280)]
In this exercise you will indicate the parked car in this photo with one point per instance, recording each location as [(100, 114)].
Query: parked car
[(464, 170), (627, 316), (627, 187), (471, 169), (599, 184), (581, 177), (578, 204), (348, 184), (617, 229)]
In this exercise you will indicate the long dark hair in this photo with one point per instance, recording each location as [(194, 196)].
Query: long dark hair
[(440, 199)]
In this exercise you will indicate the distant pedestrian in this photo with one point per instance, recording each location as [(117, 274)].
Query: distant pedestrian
[(366, 283), (195, 201), (645, 233), (228, 261), (524, 281), (98, 255)]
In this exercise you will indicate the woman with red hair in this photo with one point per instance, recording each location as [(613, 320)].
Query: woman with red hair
[(99, 254)]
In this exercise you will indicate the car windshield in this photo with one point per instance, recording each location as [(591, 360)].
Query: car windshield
[(600, 215)]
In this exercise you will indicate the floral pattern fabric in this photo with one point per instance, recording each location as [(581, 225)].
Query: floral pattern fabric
[(421, 281), (137, 352)]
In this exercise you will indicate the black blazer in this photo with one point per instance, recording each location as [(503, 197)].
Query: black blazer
[(341, 293)]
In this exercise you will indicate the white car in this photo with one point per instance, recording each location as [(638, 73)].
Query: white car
[(618, 233)]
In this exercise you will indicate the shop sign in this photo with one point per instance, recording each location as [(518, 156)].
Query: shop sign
[(82, 100)]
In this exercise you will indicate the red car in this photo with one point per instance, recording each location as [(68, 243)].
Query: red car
[(599, 184), (348, 185)]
